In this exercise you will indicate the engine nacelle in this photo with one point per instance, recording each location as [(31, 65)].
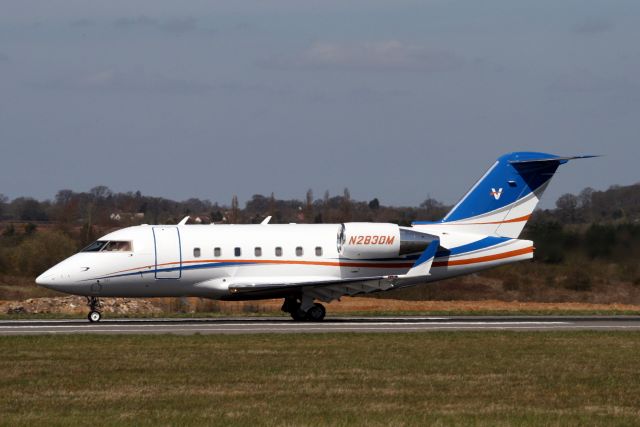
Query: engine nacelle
[(366, 240)]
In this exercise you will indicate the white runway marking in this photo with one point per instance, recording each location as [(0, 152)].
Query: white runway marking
[(323, 325), (246, 325)]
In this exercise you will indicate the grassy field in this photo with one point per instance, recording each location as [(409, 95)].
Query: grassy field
[(445, 378)]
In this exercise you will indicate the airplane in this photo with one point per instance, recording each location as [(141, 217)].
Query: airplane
[(306, 264)]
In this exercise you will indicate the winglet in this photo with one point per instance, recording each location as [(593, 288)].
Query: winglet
[(184, 220), (423, 263), (266, 220)]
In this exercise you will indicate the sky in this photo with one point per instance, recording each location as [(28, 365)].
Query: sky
[(399, 100)]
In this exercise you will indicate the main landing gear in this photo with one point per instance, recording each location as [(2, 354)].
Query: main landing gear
[(304, 309), (94, 309)]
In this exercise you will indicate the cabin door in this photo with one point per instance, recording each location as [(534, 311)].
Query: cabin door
[(168, 253)]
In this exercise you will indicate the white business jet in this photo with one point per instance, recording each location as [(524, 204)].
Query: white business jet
[(307, 263)]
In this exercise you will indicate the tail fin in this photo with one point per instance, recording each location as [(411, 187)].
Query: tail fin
[(502, 201)]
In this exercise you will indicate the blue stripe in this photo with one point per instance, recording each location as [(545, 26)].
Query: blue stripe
[(485, 243), (428, 253), (162, 270)]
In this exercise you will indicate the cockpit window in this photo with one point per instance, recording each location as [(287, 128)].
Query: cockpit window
[(111, 246), (117, 246), (95, 246)]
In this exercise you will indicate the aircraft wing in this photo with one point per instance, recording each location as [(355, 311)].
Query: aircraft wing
[(330, 289)]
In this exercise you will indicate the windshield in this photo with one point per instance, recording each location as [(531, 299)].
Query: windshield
[(95, 246), (108, 246)]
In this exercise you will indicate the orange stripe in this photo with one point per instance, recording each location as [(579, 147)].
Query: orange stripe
[(487, 258), (355, 264), (520, 219)]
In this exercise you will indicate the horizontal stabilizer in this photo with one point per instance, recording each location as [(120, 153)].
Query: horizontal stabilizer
[(552, 159)]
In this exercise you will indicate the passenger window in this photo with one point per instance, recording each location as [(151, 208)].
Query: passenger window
[(217, 252), (318, 251), (278, 251), (237, 252), (299, 251), (258, 251), (196, 252)]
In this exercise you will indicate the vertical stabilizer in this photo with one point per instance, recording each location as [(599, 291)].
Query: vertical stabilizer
[(502, 201)]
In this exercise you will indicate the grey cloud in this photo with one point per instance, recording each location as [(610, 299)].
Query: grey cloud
[(381, 56), (586, 82), (130, 82), (136, 22), (4, 57), (593, 26), (81, 23), (172, 25), (179, 25)]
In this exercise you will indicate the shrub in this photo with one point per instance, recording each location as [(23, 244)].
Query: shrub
[(39, 252)]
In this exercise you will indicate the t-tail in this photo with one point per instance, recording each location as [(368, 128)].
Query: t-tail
[(502, 201)]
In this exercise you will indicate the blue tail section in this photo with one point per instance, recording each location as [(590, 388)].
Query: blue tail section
[(501, 202), (513, 177)]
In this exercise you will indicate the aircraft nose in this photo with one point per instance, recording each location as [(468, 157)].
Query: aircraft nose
[(56, 278), (45, 279)]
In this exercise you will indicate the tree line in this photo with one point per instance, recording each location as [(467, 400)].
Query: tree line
[(598, 231)]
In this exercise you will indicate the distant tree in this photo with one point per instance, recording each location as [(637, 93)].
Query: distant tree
[(234, 214), (272, 204), (346, 205), (40, 251), (87, 234), (100, 192), (28, 209), (63, 197), (216, 213), (585, 197), (308, 206), (431, 204), (326, 209), (567, 205), (3, 202), (258, 205), (600, 240), (374, 204)]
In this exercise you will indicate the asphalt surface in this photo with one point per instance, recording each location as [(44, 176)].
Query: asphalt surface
[(254, 325)]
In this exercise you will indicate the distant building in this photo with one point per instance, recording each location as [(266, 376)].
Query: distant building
[(119, 216)]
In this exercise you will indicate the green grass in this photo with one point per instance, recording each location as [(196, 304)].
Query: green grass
[(442, 378)]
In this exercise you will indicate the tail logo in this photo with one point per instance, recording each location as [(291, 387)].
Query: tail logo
[(496, 194)]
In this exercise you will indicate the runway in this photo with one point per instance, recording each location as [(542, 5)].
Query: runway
[(252, 325)]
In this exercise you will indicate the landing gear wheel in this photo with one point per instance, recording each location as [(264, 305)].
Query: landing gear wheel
[(94, 309), (298, 315), (316, 313), (94, 316)]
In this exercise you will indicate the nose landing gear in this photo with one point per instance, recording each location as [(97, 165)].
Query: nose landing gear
[(94, 309)]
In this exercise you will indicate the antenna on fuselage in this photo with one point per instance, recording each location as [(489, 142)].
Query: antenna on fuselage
[(184, 220), (266, 220)]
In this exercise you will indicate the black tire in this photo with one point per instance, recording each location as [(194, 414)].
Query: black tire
[(94, 316), (298, 315), (316, 313)]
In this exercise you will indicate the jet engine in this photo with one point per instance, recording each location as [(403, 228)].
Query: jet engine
[(366, 240)]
